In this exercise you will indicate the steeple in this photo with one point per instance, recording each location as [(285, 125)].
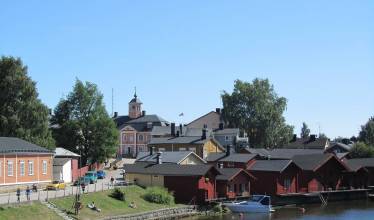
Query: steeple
[(135, 107)]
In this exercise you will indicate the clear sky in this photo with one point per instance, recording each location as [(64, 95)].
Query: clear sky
[(182, 54)]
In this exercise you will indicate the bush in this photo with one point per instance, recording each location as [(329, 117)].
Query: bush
[(158, 195), (361, 150), (118, 194), (217, 208)]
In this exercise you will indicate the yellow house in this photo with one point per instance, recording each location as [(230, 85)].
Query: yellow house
[(176, 157), (200, 145)]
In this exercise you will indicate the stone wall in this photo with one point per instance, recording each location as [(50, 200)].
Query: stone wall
[(162, 214)]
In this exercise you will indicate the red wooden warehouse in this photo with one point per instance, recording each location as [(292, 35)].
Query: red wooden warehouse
[(233, 182)]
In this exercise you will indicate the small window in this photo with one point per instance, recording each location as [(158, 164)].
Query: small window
[(31, 168), (10, 168), (140, 137), (182, 149), (22, 168), (287, 183), (44, 167)]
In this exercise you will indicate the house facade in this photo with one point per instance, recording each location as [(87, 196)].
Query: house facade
[(233, 182), (22, 162), (65, 165), (135, 129)]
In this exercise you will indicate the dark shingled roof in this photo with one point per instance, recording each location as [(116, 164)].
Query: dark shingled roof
[(226, 131), (16, 145), (167, 157), (240, 158), (229, 173), (311, 161), (281, 153), (356, 164), (60, 161), (213, 157), (270, 165), (319, 143), (260, 151), (148, 118), (169, 169)]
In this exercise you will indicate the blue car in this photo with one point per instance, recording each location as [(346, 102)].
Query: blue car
[(101, 174)]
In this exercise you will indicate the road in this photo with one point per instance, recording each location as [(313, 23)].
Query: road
[(101, 185)]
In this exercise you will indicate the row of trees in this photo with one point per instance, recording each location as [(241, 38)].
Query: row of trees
[(365, 145), (80, 122)]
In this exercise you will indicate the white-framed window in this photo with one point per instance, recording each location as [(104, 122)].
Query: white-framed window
[(141, 137), (10, 168), (182, 149), (44, 167), (31, 168), (22, 168)]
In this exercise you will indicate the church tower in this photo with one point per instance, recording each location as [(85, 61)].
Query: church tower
[(135, 107)]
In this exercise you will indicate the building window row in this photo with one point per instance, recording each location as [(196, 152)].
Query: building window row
[(22, 169)]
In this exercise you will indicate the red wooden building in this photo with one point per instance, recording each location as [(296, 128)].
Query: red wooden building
[(361, 173), (233, 182), (231, 160), (274, 177), (320, 172)]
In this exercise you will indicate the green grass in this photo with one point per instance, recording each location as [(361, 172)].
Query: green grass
[(110, 206), (27, 211)]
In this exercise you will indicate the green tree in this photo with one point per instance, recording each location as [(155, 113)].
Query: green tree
[(305, 131), (322, 135), (82, 125), (361, 150), (256, 108), (22, 114), (367, 132)]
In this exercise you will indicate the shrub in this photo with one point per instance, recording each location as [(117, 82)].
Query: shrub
[(217, 208), (158, 195), (118, 194)]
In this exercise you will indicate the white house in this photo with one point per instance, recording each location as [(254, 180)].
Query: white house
[(62, 169)]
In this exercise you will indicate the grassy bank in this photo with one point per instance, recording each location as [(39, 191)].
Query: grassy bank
[(110, 206), (27, 211)]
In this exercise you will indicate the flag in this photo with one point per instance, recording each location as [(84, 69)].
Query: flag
[(181, 114)]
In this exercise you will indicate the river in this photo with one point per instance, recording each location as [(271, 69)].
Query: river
[(352, 210)]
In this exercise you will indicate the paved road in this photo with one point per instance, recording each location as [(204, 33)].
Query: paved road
[(42, 195)]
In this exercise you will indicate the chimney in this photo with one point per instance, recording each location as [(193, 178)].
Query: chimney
[(203, 136), (312, 137), (221, 126), (115, 115), (151, 150), (294, 138), (159, 157), (172, 127), (218, 110), (180, 129), (177, 133), (143, 113), (228, 150)]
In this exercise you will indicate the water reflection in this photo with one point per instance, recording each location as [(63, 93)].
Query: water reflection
[(353, 210)]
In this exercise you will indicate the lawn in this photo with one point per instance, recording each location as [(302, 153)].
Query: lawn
[(27, 211), (108, 205)]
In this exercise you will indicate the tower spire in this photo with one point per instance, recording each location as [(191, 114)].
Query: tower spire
[(135, 93)]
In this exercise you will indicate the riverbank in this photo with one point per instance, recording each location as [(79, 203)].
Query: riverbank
[(27, 211)]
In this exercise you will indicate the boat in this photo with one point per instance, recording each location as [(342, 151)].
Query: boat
[(256, 204)]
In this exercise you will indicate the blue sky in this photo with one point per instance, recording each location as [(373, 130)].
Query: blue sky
[(182, 54)]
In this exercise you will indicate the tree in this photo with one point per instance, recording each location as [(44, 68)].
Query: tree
[(22, 114), (82, 125), (305, 131), (367, 132), (361, 150), (257, 109), (322, 135)]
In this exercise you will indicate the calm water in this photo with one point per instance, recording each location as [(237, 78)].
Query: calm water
[(355, 210)]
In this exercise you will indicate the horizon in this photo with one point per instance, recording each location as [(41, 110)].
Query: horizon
[(181, 55)]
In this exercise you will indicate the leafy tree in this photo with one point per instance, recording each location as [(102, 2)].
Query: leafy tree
[(361, 150), (367, 132), (305, 131), (256, 108), (322, 135), (22, 114), (82, 125)]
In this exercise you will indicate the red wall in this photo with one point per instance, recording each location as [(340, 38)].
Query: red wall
[(223, 186)]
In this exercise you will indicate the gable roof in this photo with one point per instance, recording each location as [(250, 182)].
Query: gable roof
[(345, 147), (228, 174), (140, 123), (17, 145), (182, 140), (356, 164), (213, 157), (167, 157), (283, 153), (318, 143), (260, 151), (270, 165), (239, 158), (62, 152), (169, 169), (60, 161), (312, 162)]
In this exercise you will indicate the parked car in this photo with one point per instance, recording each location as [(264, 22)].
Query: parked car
[(55, 185), (101, 174), (92, 175), (82, 180)]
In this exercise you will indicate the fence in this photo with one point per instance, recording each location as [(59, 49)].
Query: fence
[(43, 195)]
